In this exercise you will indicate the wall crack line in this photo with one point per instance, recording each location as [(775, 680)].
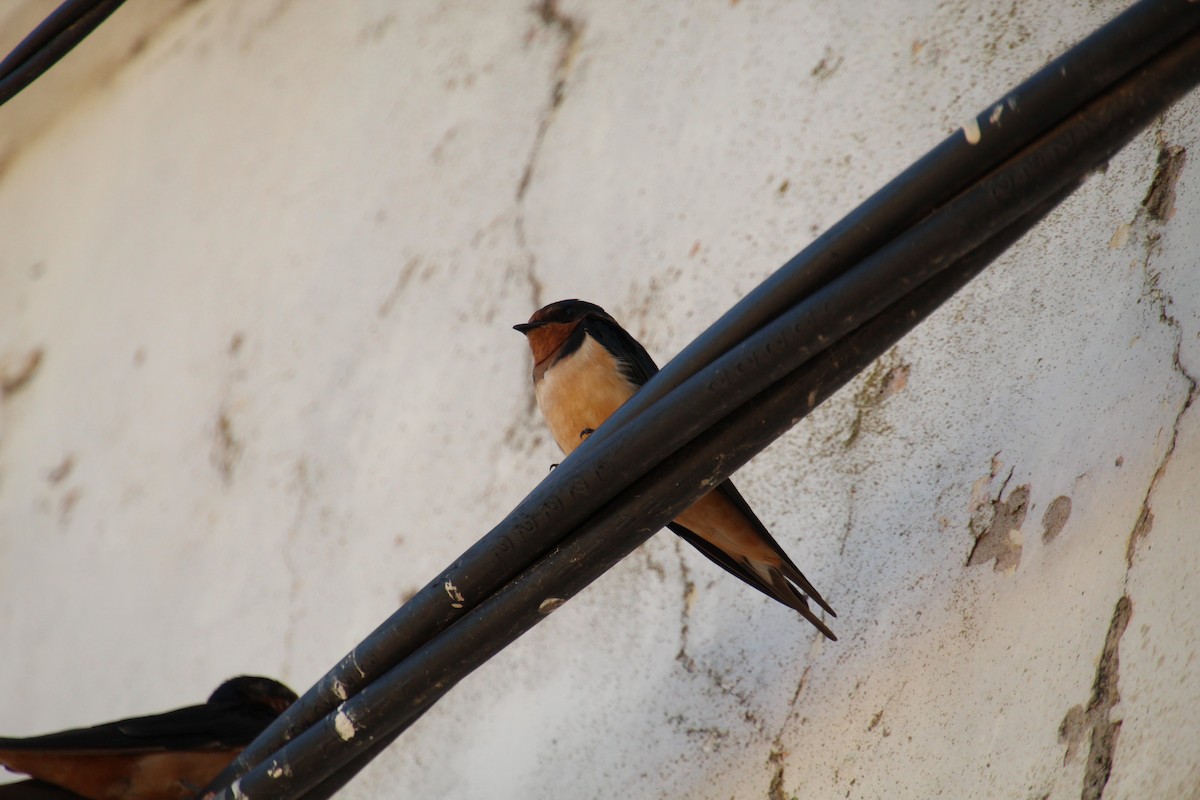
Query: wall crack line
[(1149, 219), (1096, 718), (570, 29)]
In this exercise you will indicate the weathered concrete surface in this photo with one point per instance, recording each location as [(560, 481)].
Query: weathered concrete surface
[(270, 267)]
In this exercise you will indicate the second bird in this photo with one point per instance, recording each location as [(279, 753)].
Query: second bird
[(585, 366), (167, 756)]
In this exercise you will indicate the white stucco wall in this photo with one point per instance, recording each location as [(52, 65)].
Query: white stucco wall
[(271, 266)]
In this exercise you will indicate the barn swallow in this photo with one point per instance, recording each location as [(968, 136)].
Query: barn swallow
[(585, 366), (168, 756)]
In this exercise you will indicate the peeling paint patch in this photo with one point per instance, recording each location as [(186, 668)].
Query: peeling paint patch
[(456, 597), (1055, 518), (1094, 723), (1000, 540), (895, 380), (980, 498), (1071, 731), (15, 374), (1159, 201), (339, 690), (1120, 236), (971, 132), (343, 726), (550, 604)]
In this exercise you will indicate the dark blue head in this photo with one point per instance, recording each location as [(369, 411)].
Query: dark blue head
[(253, 690), (564, 312)]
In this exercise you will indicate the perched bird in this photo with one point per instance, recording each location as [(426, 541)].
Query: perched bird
[(167, 756), (585, 366)]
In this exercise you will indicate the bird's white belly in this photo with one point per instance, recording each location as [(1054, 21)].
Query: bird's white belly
[(581, 391)]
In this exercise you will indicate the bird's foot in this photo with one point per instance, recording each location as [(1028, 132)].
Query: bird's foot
[(585, 433)]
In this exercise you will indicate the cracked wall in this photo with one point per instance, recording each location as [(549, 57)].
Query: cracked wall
[(257, 385)]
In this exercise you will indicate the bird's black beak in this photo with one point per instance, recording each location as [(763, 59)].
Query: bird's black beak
[(526, 327)]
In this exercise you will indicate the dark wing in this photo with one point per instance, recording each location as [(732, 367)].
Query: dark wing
[(35, 790), (639, 366), (204, 727), (779, 589), (791, 571)]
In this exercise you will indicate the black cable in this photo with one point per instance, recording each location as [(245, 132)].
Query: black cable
[(824, 376), (58, 34), (59, 20), (400, 696), (1049, 96), (593, 475), (1002, 202)]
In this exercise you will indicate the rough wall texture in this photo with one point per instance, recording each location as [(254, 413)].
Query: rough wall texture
[(259, 385)]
